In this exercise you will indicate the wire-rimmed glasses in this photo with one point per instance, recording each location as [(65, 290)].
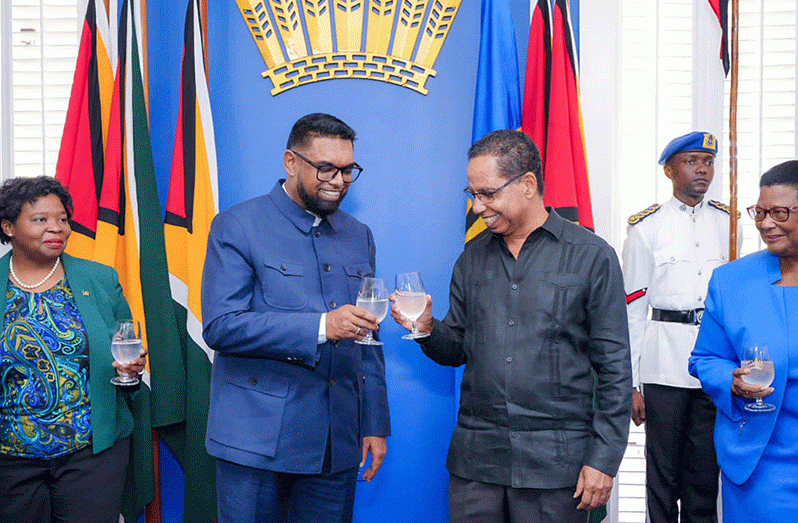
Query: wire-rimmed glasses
[(488, 196)]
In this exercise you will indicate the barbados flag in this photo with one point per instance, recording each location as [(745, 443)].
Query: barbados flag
[(497, 103)]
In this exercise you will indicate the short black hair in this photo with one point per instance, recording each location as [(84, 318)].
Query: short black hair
[(16, 192), (515, 153), (318, 125), (782, 174)]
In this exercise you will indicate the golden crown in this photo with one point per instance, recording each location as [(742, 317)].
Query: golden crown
[(300, 48)]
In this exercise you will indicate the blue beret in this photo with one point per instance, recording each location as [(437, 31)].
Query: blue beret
[(695, 141)]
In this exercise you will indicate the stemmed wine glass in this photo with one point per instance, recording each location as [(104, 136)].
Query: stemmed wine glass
[(373, 296), (411, 300), (126, 347), (757, 358)]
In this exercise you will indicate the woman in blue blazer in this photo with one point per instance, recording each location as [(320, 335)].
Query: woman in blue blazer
[(64, 428), (754, 301)]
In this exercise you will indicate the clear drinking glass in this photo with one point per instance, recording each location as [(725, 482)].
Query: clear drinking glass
[(373, 296), (125, 347), (757, 358), (411, 300)]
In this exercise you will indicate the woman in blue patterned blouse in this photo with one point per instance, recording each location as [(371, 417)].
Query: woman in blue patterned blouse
[(64, 429)]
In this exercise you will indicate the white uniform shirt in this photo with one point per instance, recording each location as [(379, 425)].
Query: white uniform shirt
[(668, 258)]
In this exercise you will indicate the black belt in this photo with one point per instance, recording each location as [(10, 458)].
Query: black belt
[(692, 317)]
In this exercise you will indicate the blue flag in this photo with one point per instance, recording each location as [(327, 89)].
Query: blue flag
[(497, 104)]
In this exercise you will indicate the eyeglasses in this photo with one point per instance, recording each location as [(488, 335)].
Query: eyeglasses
[(779, 214), (326, 171), (488, 196)]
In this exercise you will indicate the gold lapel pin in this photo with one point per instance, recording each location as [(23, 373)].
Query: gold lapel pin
[(85, 293)]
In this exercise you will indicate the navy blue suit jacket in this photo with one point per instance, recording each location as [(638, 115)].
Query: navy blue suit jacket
[(276, 393)]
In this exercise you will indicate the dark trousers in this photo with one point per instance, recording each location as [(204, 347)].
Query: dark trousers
[(77, 488), (477, 502), (680, 455), (250, 495)]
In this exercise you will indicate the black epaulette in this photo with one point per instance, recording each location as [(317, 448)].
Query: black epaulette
[(640, 216), (721, 207)]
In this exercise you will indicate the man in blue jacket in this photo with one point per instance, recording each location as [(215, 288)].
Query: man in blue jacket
[(295, 405)]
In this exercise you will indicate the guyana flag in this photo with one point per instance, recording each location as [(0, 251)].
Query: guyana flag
[(565, 164), (81, 157), (535, 119), (191, 206), (552, 113), (118, 221)]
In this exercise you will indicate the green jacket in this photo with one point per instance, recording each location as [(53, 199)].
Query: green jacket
[(115, 412)]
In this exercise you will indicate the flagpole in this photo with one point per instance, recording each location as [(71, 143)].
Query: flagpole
[(735, 13)]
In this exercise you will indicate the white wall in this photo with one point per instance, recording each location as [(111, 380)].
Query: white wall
[(600, 62)]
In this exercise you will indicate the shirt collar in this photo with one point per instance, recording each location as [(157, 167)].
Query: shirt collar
[(554, 225), (683, 207), (301, 218)]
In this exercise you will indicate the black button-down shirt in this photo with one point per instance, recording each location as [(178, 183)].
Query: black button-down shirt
[(533, 332)]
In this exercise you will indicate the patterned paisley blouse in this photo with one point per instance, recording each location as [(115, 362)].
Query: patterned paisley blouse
[(45, 410)]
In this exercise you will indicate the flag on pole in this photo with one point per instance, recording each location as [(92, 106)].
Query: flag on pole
[(81, 156), (120, 224), (565, 160), (129, 234), (535, 118), (497, 102), (190, 208), (721, 10)]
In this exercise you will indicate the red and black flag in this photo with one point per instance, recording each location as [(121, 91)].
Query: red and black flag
[(565, 163), (721, 10), (535, 117)]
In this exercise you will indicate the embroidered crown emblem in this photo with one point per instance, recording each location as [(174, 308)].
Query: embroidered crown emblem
[(324, 39)]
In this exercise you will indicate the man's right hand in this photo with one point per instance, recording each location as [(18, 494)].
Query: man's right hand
[(638, 408), (350, 322), (423, 323)]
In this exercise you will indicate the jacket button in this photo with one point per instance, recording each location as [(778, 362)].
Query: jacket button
[(332, 304), (332, 381), (253, 381), (316, 233), (326, 267)]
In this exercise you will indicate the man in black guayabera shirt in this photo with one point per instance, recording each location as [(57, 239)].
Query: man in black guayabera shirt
[(538, 316)]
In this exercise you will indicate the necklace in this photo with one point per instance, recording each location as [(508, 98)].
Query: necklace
[(35, 285)]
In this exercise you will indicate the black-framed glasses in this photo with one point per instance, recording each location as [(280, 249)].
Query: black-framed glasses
[(326, 171), (779, 214), (488, 196)]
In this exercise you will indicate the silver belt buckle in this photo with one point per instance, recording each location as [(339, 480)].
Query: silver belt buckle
[(696, 315)]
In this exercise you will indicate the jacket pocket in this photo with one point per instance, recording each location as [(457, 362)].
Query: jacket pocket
[(355, 273), (283, 284), (251, 416)]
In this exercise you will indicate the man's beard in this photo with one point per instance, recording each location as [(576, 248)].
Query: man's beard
[(317, 205)]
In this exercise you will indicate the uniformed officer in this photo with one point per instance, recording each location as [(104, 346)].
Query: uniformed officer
[(668, 257)]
